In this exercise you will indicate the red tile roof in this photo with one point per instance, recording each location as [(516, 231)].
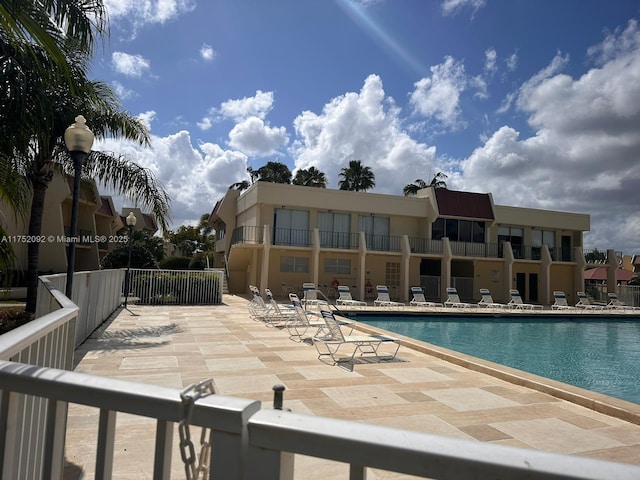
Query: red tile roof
[(600, 273), (453, 203)]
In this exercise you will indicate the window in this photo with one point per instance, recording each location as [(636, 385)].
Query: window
[(376, 230), (291, 227), (513, 235), (542, 237), (392, 274), (458, 230), (334, 229), (294, 264), (341, 266)]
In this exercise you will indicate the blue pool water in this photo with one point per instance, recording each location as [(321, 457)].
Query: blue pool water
[(602, 356)]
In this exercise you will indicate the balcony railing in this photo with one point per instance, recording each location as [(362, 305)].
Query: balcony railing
[(393, 243)]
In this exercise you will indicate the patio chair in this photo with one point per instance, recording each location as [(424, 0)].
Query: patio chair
[(332, 341), (616, 304), (277, 315), (384, 300), (453, 299), (257, 306), (516, 302), (418, 299), (305, 320), (487, 300), (584, 303), (560, 301), (345, 298), (311, 295)]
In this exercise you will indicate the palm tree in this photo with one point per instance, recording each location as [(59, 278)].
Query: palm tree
[(438, 181), (356, 177), (30, 26), (412, 189), (44, 153), (274, 172), (311, 177)]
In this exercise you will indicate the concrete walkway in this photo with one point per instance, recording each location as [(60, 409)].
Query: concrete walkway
[(421, 390)]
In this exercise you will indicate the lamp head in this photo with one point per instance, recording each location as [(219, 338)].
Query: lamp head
[(131, 219), (78, 137)]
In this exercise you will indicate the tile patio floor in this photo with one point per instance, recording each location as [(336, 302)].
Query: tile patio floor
[(177, 346)]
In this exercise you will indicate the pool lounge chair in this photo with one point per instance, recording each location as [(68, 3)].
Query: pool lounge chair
[(257, 307), (584, 303), (487, 300), (311, 295), (453, 300), (516, 302), (384, 300), (560, 302), (277, 315), (418, 299), (332, 342), (616, 304), (302, 321), (345, 298)]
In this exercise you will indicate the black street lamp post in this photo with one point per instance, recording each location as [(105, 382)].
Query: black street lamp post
[(78, 139), (131, 222)]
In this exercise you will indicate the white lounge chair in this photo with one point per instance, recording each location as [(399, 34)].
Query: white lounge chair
[(487, 300), (418, 299), (346, 299), (616, 304), (303, 320), (384, 300), (332, 342), (277, 315), (516, 302), (453, 300), (584, 303), (560, 301), (257, 307), (311, 295)]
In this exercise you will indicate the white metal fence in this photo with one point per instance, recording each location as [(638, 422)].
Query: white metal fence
[(161, 287)]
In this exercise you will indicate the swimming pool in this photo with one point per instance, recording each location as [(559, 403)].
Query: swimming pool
[(601, 356)]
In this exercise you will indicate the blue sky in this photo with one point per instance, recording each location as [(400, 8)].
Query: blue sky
[(537, 102)]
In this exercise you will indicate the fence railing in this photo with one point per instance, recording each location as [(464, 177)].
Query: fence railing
[(161, 287), (250, 443)]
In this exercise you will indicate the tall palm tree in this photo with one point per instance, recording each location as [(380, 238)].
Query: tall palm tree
[(412, 188), (45, 154), (438, 180), (310, 177), (356, 177), (243, 185), (274, 172)]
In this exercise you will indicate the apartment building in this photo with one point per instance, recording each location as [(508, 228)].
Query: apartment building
[(100, 227), (279, 236)]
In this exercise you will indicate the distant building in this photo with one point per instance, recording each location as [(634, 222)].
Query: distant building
[(274, 234)]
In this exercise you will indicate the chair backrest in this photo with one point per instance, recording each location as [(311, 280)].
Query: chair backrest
[(613, 299), (297, 306), (583, 299), (515, 297), (257, 298), (310, 292), (383, 293), (452, 293), (272, 301), (345, 293), (561, 298), (486, 296), (418, 294), (334, 331)]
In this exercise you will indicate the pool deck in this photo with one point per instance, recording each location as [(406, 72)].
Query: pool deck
[(427, 389)]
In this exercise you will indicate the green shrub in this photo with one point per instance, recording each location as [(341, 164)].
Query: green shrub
[(10, 319), (140, 257)]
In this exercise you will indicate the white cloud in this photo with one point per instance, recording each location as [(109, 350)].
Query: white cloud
[(137, 13), (257, 106), (584, 154), (194, 177), (490, 58), (452, 7), (362, 126), (207, 52), (438, 97), (512, 62), (122, 92), (253, 137), (130, 65), (147, 118)]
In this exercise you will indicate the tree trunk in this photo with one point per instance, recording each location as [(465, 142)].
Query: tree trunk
[(33, 248)]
